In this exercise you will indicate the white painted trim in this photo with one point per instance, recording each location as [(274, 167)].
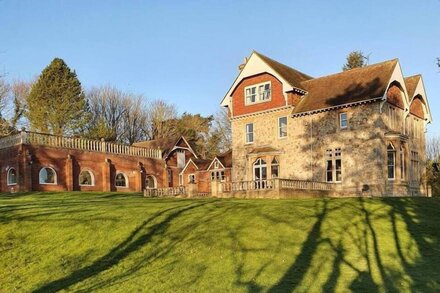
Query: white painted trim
[(257, 94), (337, 107), (261, 112), (55, 177), (126, 179), (246, 133), (279, 127), (215, 159), (254, 66), (7, 177), (92, 175), (189, 148), (187, 164), (420, 90)]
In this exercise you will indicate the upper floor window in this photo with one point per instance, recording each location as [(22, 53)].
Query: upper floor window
[(48, 176), (391, 162), (415, 171), (180, 159), (282, 127), (257, 93), (343, 120), (249, 133), (12, 176)]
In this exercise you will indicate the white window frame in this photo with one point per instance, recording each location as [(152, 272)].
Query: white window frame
[(92, 176), (247, 133), (189, 178), (341, 120), (125, 177), (154, 181), (258, 94), (393, 151), (7, 176), (280, 128), (45, 183)]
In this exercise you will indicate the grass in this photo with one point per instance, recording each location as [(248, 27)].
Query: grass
[(123, 243)]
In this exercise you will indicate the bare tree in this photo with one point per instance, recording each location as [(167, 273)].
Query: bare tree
[(161, 119), (19, 90), (107, 106), (135, 120), (221, 126), (433, 149)]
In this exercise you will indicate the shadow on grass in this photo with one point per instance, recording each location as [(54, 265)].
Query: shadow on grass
[(139, 237)]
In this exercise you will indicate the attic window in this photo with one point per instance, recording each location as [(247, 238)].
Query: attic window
[(257, 93)]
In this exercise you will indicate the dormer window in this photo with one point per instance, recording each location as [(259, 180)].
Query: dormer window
[(258, 93)]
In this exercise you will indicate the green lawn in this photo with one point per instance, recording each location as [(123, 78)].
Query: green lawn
[(125, 243)]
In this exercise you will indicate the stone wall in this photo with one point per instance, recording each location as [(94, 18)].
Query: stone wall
[(302, 155)]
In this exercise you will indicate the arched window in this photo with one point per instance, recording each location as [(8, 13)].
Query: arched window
[(150, 181), (86, 178), (12, 176), (391, 162), (260, 170), (121, 180), (48, 176), (275, 168)]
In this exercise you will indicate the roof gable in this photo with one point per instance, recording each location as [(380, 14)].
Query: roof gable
[(419, 90), (167, 144), (257, 64)]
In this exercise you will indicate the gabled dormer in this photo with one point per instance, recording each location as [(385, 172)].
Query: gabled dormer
[(264, 84)]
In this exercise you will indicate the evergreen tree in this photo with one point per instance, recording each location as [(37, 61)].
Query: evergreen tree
[(438, 62), (355, 59), (56, 102)]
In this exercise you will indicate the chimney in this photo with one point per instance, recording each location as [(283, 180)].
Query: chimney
[(241, 66)]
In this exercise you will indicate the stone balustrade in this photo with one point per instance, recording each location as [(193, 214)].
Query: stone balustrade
[(33, 138), (162, 192)]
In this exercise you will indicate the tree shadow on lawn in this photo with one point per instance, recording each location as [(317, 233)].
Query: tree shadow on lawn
[(367, 237), (139, 237)]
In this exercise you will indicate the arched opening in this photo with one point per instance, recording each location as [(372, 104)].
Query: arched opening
[(417, 107), (47, 175), (260, 173), (395, 95), (121, 180), (150, 182), (12, 176), (86, 178)]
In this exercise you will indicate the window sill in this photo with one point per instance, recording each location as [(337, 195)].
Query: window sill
[(282, 137), (119, 186), (12, 184), (84, 185), (259, 102), (43, 183)]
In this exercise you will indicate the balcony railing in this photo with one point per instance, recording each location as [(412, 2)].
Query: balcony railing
[(33, 138), (276, 183), (162, 192)]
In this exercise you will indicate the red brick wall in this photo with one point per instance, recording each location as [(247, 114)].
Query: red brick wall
[(416, 108), (394, 96), (57, 158), (238, 95)]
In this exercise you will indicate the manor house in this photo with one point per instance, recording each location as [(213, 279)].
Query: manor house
[(361, 131)]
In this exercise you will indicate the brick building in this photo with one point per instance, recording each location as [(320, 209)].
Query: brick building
[(358, 132)]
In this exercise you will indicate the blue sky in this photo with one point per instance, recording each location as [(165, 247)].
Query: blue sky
[(187, 52)]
